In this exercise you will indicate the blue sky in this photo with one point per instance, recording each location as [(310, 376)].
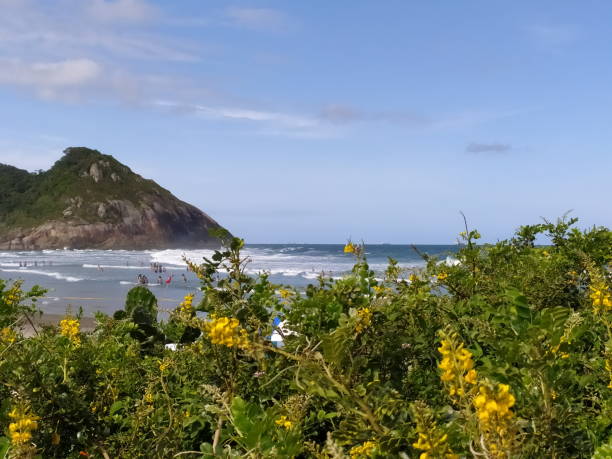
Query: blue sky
[(318, 121)]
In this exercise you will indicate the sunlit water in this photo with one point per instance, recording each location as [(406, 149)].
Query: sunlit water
[(100, 279)]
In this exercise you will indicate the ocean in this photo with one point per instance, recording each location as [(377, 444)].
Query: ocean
[(98, 280)]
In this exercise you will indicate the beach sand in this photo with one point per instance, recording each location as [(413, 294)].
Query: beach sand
[(45, 320)]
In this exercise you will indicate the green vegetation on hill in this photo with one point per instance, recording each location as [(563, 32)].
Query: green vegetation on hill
[(505, 354), (30, 199)]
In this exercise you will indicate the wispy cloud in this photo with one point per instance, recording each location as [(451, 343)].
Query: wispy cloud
[(476, 147), (288, 120), (128, 11), (257, 18), (86, 27), (344, 114), (120, 51)]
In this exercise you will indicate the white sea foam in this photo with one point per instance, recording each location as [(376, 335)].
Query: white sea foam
[(174, 257), (89, 266), (45, 273), (451, 261)]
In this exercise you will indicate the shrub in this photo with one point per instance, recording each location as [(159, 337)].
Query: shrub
[(508, 352)]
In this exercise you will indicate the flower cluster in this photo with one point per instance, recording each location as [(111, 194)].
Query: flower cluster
[(227, 332), (600, 296), (186, 305), (495, 418), (164, 364), (434, 446), (442, 275), (285, 294), (381, 289), (364, 319), (14, 295), (20, 430), (432, 440), (350, 247), (284, 422), (364, 450), (7, 336), (457, 365), (70, 329)]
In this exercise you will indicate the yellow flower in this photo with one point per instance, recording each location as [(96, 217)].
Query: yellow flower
[(13, 296), (148, 397), (164, 365), (284, 422), (19, 438), (22, 426), (456, 365), (349, 248), (495, 417), (413, 278), (70, 329), (364, 319), (226, 331), (186, 305), (442, 276), (471, 377), (7, 335), (600, 296), (364, 450), (284, 293)]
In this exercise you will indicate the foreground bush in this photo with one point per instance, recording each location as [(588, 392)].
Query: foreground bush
[(506, 353)]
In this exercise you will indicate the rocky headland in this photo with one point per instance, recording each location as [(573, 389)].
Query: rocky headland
[(88, 200)]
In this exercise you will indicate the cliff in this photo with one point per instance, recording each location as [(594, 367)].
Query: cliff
[(88, 200)]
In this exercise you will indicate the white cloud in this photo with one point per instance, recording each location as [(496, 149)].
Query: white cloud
[(51, 80), (65, 73), (257, 18), (129, 11), (86, 27)]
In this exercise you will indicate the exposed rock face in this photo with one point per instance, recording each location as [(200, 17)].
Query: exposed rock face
[(111, 208)]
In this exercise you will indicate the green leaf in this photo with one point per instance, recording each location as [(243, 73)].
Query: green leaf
[(5, 444), (603, 452), (117, 406)]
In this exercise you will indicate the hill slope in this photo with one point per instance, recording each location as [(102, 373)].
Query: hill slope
[(91, 200)]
